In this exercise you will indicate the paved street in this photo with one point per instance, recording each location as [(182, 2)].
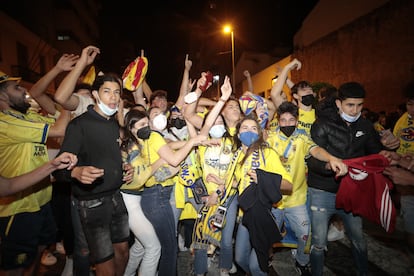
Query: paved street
[(385, 251)]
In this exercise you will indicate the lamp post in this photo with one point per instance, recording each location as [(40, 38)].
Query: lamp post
[(228, 29)]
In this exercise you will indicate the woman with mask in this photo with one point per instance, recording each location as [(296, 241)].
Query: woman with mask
[(158, 187), (146, 249), (214, 163), (253, 153)]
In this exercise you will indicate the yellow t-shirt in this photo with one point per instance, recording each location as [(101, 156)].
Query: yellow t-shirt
[(142, 169), (215, 160), (265, 159), (150, 153), (292, 152), (23, 149), (404, 129)]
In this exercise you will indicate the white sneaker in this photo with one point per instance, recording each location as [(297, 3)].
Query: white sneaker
[(233, 268), (68, 269), (334, 234), (224, 272), (181, 245), (48, 258)]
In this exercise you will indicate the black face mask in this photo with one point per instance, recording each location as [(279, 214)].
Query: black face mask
[(308, 100), (178, 123), (144, 133), (287, 130)]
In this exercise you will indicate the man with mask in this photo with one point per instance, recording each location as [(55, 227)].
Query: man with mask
[(293, 145), (23, 135), (345, 134), (94, 137), (302, 95)]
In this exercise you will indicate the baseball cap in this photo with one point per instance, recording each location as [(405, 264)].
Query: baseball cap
[(4, 77)]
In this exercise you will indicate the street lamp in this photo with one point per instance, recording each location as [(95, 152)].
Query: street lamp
[(228, 29)]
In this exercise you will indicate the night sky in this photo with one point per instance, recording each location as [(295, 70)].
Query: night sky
[(167, 30)]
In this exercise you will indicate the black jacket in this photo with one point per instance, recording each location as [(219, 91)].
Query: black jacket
[(333, 134), (256, 202), (95, 140)]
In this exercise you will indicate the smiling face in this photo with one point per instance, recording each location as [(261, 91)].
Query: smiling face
[(14, 96)]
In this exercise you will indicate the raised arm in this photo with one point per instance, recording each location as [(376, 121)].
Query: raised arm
[(64, 94), (213, 114), (190, 111), (249, 81), (184, 82), (277, 94), (65, 63)]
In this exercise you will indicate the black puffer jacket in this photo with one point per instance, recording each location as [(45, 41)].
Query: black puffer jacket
[(335, 136)]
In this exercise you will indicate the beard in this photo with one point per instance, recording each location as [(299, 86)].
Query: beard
[(21, 107)]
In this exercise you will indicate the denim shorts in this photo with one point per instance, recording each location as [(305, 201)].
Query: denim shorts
[(104, 221), (407, 211), (21, 235)]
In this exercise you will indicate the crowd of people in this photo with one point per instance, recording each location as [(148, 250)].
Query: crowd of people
[(112, 175)]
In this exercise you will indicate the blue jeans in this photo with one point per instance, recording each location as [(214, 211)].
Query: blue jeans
[(81, 264), (245, 255), (226, 243), (299, 221), (323, 207), (155, 204)]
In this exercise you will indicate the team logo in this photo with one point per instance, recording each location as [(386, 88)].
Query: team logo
[(357, 174), (407, 134)]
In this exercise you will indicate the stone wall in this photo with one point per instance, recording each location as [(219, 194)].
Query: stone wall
[(376, 50)]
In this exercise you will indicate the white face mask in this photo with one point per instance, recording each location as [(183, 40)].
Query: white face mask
[(106, 109), (159, 122), (217, 131), (349, 118)]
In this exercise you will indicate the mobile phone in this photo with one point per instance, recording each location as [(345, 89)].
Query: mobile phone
[(219, 216), (209, 80)]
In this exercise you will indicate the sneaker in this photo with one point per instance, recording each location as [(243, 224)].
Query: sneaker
[(60, 248), (334, 234), (224, 272), (48, 259), (181, 244), (233, 268), (303, 269), (68, 269)]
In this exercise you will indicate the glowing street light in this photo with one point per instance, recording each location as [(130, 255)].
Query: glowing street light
[(228, 29)]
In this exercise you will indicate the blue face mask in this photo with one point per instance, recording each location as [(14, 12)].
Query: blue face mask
[(350, 119), (248, 138)]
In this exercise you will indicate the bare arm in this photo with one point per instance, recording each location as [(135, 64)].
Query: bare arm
[(64, 92), (65, 63), (184, 83), (13, 185), (59, 127), (213, 114), (277, 94), (174, 158), (249, 81), (335, 164)]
